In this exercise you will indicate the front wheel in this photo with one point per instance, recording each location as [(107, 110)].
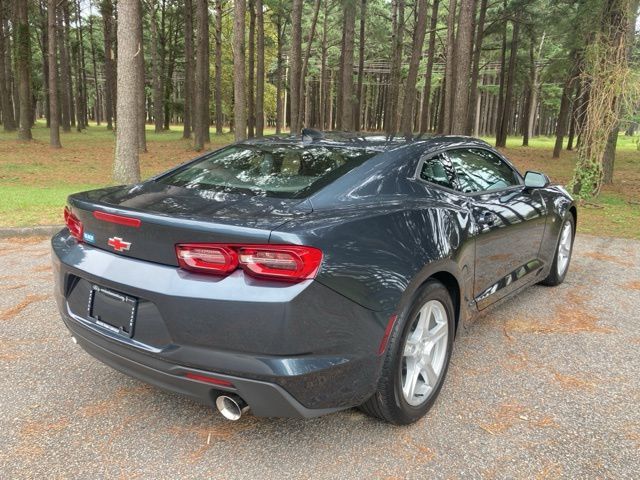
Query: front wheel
[(562, 258), (417, 358)]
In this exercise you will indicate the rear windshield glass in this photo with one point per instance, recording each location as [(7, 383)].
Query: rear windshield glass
[(272, 170)]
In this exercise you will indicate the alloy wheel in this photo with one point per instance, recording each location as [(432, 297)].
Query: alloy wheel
[(564, 248), (424, 353)]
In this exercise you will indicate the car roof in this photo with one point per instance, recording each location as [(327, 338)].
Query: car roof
[(374, 141)]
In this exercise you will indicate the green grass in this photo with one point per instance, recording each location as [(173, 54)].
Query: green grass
[(25, 205), (36, 179)]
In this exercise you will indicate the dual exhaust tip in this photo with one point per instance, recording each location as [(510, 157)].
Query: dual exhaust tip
[(231, 406)]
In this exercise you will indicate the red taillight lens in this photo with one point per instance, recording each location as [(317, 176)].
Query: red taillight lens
[(278, 262), (73, 224), (285, 262), (205, 258)]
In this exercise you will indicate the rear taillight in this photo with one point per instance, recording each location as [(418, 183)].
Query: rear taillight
[(278, 262), (286, 262), (73, 224), (207, 258)]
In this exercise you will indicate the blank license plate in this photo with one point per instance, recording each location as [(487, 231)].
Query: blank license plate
[(112, 310)]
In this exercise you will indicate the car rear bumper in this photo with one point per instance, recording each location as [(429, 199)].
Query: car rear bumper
[(310, 351), (265, 399)]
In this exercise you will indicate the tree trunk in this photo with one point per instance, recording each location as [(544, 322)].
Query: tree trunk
[(347, 62), (505, 113), (412, 77), (6, 105), (426, 94), (474, 101), (450, 70), (64, 73), (295, 64), (324, 81), (141, 99), (567, 93), (251, 108), (174, 33), (218, 72), (158, 74), (460, 92), (358, 108), (54, 130), (573, 118), (239, 93), (80, 83), (202, 65), (503, 66), (305, 63), (23, 63), (279, 74), (610, 156), (391, 110), (98, 109), (106, 9), (126, 168), (67, 48), (534, 75), (260, 70), (188, 68), (606, 67)]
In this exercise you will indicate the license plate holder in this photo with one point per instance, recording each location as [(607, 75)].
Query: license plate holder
[(112, 310)]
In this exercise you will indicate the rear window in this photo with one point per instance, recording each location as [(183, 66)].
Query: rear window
[(273, 170)]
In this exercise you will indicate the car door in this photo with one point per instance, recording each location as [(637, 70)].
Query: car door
[(510, 221)]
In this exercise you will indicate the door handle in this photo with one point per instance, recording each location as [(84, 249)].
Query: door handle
[(487, 218)]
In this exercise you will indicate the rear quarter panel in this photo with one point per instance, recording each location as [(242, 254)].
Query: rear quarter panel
[(377, 252)]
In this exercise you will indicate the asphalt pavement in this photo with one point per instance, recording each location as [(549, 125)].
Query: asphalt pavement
[(546, 385)]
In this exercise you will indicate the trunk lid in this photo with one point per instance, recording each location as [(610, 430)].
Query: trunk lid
[(170, 214)]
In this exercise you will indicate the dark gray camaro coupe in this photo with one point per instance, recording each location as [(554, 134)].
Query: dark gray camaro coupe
[(304, 275)]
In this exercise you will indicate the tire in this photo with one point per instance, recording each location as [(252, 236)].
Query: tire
[(556, 275), (390, 403)]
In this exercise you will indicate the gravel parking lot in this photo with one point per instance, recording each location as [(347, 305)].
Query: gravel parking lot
[(547, 385)]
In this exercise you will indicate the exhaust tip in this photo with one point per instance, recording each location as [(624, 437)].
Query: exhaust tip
[(231, 407), (74, 340)]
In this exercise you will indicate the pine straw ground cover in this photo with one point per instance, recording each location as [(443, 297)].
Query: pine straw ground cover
[(36, 179)]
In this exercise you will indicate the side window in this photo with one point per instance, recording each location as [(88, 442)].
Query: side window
[(436, 170), (479, 170)]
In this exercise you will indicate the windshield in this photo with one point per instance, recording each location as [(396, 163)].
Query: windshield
[(273, 170)]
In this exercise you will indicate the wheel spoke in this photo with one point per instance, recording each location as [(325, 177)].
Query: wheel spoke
[(411, 380), (429, 374), (423, 322), (437, 333)]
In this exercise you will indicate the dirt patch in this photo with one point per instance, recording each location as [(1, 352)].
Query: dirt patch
[(510, 414), (631, 286), (11, 312), (571, 316), (112, 403), (569, 381), (31, 433), (42, 268), (208, 436), (550, 471), (608, 258)]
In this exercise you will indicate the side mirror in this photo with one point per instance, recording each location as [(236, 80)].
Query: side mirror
[(536, 180)]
